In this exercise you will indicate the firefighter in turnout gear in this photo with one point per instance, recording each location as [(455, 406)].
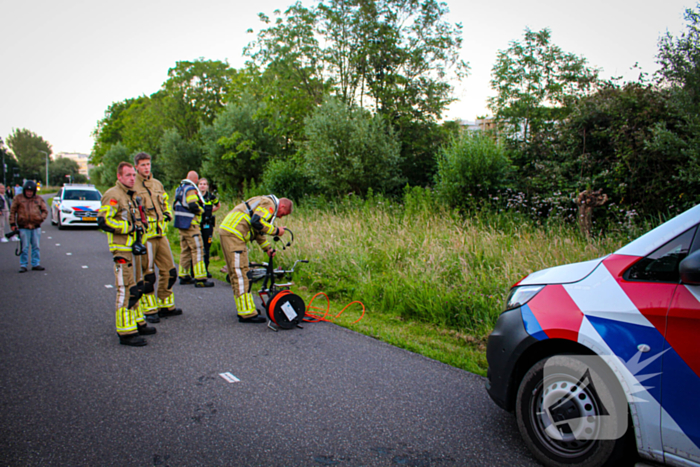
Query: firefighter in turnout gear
[(160, 302), (188, 208), (250, 220), (118, 217)]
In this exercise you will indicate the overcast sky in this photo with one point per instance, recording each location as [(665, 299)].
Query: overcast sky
[(63, 62)]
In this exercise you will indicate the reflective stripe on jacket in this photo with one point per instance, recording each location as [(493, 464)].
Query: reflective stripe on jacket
[(239, 221), (155, 202), (117, 213)]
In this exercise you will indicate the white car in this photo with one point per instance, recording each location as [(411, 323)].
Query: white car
[(76, 204)]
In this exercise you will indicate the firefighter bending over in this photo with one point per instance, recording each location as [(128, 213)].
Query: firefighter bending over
[(250, 220), (119, 218)]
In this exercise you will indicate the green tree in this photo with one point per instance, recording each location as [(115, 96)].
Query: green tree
[(349, 150), (285, 72), (196, 92), (394, 57), (679, 61), (109, 130), (106, 173), (237, 145), (11, 166), (61, 169), (471, 166), (31, 151), (178, 156), (633, 142), (537, 84)]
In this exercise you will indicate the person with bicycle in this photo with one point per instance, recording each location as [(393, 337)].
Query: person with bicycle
[(250, 220)]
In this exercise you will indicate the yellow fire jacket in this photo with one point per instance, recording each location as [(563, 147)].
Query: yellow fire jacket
[(253, 219), (118, 217), (155, 201)]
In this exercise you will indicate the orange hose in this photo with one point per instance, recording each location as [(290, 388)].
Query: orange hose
[(315, 318)]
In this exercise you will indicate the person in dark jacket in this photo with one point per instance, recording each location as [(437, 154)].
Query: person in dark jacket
[(27, 213)]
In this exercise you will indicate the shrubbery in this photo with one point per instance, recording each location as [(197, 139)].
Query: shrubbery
[(470, 167)]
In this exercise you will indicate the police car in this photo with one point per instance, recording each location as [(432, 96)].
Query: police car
[(76, 204), (600, 360)]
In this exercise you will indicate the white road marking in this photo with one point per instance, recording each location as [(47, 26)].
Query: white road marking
[(229, 377), (109, 286), (68, 254), (85, 267)]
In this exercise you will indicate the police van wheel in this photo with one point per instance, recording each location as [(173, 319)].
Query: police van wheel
[(571, 411)]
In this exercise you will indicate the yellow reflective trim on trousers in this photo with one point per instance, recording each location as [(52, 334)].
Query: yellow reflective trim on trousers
[(245, 305), (150, 302), (169, 301), (125, 320), (200, 271)]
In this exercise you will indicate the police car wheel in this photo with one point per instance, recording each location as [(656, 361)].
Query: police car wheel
[(566, 420), (59, 223)]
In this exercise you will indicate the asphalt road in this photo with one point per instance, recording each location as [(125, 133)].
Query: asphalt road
[(318, 396)]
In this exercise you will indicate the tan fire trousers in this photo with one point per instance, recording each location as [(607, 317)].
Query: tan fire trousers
[(236, 254), (128, 312), (192, 253), (159, 256)]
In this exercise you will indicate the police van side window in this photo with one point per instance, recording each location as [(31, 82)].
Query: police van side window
[(662, 264)]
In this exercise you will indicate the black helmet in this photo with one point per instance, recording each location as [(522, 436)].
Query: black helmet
[(29, 185)]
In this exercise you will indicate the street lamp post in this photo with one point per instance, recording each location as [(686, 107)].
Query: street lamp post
[(47, 166)]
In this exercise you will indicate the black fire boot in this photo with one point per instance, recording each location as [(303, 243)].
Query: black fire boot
[(133, 340), (152, 318), (203, 283), (164, 312), (186, 280), (145, 330), (254, 319)]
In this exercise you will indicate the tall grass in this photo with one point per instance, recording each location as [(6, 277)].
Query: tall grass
[(420, 261)]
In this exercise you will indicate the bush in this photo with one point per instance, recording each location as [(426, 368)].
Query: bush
[(471, 166), (285, 178), (349, 151)]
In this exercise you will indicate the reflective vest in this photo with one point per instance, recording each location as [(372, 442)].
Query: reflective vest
[(187, 195)]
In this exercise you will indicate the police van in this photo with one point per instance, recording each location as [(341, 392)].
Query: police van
[(600, 360)]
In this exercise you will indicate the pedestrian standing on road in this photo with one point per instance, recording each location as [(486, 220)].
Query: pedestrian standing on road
[(118, 217), (250, 220), (157, 303), (4, 213), (188, 208), (27, 213), (211, 205)]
